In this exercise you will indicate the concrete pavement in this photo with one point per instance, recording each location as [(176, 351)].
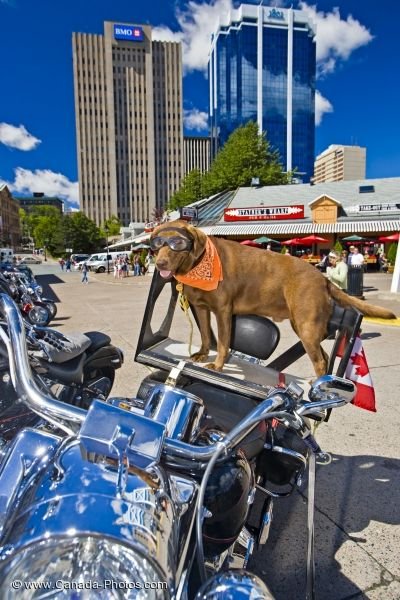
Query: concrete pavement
[(358, 494)]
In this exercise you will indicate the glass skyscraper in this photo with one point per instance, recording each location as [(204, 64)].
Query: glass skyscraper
[(262, 68)]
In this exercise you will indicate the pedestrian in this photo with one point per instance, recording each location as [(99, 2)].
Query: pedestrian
[(383, 263), (344, 255), (62, 263), (136, 266), (68, 265), (323, 263), (85, 273), (355, 258), (337, 270), (125, 266), (115, 268), (119, 269)]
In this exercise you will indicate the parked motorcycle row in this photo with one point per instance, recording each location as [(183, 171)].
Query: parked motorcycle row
[(164, 495)]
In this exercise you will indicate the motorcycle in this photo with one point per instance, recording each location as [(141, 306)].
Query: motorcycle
[(35, 311), (75, 369), (154, 496), (36, 292)]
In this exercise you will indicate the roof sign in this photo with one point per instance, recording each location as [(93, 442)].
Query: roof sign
[(128, 33), (264, 213)]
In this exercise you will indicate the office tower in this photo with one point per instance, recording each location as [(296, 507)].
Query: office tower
[(128, 103), (197, 153), (39, 199), (262, 68), (340, 163)]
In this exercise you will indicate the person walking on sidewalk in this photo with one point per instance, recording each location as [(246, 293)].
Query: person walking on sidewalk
[(85, 273)]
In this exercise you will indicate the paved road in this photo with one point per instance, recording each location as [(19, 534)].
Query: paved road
[(358, 494)]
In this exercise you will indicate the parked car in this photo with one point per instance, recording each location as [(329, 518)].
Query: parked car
[(30, 260)]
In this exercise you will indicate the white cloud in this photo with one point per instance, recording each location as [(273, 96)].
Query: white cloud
[(195, 119), (336, 38), (48, 182), (17, 137), (322, 106), (197, 22)]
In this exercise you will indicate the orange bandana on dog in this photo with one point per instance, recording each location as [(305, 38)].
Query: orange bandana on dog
[(207, 274)]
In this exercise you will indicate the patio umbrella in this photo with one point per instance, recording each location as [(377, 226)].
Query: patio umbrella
[(314, 239), (294, 242), (265, 240), (250, 243), (394, 237), (353, 238)]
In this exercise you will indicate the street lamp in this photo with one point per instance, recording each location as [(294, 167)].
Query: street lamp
[(106, 231), (45, 249)]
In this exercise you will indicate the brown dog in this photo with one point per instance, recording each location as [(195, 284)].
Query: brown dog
[(226, 278)]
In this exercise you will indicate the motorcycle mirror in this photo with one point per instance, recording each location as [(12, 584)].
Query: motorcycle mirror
[(328, 391)]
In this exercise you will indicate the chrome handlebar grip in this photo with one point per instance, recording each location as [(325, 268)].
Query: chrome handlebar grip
[(65, 417)]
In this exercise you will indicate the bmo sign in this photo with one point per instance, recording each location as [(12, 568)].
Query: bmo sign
[(129, 33)]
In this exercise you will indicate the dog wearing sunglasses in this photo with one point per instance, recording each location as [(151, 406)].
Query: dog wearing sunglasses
[(225, 278)]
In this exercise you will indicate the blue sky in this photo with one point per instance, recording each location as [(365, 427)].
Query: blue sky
[(358, 99)]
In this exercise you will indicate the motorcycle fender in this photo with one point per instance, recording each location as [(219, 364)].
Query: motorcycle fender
[(107, 356)]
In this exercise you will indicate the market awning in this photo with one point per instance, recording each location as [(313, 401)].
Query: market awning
[(296, 229)]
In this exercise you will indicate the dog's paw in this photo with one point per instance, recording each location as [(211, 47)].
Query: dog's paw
[(213, 367), (199, 357)]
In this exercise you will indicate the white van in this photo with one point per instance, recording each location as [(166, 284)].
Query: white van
[(98, 262)]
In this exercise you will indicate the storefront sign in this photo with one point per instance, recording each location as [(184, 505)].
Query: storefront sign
[(264, 213), (366, 208), (129, 33)]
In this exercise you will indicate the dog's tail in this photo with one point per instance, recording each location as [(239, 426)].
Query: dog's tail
[(369, 310)]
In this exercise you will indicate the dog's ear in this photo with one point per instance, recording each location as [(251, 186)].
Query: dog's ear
[(200, 240)]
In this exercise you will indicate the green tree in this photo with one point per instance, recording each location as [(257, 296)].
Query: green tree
[(81, 233), (246, 155), (338, 247), (190, 190), (113, 224), (392, 252), (45, 225)]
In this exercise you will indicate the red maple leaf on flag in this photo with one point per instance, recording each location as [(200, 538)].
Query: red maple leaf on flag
[(360, 362)]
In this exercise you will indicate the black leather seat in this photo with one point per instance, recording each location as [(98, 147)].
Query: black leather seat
[(98, 339)]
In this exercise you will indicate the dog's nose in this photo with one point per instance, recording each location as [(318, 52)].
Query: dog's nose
[(161, 263)]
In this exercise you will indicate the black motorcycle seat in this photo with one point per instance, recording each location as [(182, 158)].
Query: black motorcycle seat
[(254, 335), (226, 410), (62, 349), (98, 340), (68, 372)]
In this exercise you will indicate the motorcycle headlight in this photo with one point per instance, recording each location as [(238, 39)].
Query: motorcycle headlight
[(81, 567), (30, 290)]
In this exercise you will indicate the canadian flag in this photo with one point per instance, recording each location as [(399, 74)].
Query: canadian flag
[(357, 371)]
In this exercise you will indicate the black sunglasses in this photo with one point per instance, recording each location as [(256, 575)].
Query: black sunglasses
[(177, 244)]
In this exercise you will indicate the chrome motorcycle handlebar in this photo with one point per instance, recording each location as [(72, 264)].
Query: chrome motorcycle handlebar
[(327, 392), (200, 455), (63, 416)]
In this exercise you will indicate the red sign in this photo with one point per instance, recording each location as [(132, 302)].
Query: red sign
[(264, 213)]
